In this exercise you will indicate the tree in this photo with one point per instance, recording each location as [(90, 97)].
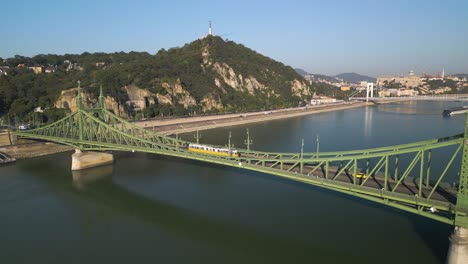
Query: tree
[(54, 114), (20, 108)]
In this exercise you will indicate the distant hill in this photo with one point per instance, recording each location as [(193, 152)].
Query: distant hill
[(316, 76), (354, 77), (324, 77), (301, 71)]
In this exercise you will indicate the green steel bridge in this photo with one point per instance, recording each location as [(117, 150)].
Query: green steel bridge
[(377, 174)]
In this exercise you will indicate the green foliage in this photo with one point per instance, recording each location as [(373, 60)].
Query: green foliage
[(392, 85), (53, 114), (435, 84), (20, 108), (22, 90), (331, 91)]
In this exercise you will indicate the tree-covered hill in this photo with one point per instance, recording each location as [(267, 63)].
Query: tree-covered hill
[(354, 77), (206, 75)]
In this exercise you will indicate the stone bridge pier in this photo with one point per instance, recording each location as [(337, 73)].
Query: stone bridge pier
[(458, 251), (89, 159)]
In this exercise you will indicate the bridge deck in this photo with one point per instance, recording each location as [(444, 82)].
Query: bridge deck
[(408, 186)]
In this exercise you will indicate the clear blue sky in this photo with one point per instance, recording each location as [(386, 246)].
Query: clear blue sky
[(329, 37)]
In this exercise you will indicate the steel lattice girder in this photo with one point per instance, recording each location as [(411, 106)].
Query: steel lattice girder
[(99, 129)]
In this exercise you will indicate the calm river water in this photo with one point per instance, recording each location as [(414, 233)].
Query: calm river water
[(153, 209)]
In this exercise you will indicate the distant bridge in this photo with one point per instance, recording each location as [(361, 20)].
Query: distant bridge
[(442, 97), (376, 174)]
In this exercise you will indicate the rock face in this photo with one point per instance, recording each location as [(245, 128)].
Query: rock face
[(209, 102), (67, 99), (299, 89), (234, 81), (139, 96), (182, 96)]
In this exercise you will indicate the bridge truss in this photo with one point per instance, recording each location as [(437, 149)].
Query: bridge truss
[(400, 176)]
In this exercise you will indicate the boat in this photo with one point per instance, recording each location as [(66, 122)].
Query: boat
[(5, 158), (455, 111)]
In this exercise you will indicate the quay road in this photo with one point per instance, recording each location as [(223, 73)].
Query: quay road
[(190, 124)]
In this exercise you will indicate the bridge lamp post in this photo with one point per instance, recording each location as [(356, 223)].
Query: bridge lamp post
[(248, 141), (318, 142), (229, 142), (197, 136), (302, 156)]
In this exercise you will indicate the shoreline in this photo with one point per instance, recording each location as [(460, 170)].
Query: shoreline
[(34, 149), (191, 124)]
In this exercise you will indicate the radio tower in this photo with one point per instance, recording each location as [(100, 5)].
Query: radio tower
[(210, 32)]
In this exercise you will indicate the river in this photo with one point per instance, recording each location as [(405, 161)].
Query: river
[(155, 209)]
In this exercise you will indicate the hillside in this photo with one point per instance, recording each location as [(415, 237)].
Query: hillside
[(354, 77), (206, 75)]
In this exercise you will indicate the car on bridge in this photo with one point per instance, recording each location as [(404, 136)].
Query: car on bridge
[(361, 175)]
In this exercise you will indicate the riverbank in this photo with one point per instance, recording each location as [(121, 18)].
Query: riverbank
[(190, 124), (34, 149)]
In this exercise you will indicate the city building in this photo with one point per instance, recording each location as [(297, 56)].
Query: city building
[(345, 88), (3, 70), (36, 69), (409, 81), (49, 69), (397, 92), (318, 100)]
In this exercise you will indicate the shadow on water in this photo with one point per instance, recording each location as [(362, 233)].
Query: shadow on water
[(96, 186), (434, 234)]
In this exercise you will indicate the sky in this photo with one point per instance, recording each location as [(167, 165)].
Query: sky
[(373, 37)]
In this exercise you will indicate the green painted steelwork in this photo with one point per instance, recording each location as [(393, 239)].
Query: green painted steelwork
[(98, 129), (462, 197)]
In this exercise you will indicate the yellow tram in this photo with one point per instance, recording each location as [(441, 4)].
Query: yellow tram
[(204, 149)]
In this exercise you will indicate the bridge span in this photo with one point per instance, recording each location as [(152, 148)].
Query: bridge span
[(442, 97), (374, 174)]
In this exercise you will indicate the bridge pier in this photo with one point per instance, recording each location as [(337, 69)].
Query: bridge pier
[(90, 159), (458, 251)]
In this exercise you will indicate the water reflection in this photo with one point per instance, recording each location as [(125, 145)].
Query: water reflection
[(368, 117), (101, 200), (81, 178), (419, 108)]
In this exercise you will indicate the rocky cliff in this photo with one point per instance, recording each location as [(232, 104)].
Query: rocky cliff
[(67, 99)]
